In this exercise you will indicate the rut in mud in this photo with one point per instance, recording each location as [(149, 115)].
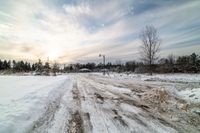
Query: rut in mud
[(76, 123)]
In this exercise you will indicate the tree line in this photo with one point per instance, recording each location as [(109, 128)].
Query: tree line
[(24, 66), (170, 64)]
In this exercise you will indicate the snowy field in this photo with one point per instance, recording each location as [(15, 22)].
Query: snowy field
[(23, 99), (94, 103)]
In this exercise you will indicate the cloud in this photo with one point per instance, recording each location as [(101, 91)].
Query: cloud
[(80, 30), (96, 14), (78, 10)]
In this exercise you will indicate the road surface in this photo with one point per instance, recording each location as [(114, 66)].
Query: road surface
[(95, 104)]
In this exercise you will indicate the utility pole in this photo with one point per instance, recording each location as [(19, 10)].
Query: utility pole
[(104, 61)]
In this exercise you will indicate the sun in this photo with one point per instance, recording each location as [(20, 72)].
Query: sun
[(53, 55)]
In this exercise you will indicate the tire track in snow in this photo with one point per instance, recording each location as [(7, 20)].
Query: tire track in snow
[(102, 120), (47, 122), (88, 106), (110, 119), (75, 124), (103, 88)]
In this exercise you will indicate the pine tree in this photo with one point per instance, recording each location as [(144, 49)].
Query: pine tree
[(1, 65), (47, 68)]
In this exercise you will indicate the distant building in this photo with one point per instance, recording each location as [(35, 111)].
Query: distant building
[(83, 70)]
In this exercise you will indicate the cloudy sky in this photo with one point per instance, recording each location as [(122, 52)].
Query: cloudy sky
[(78, 30)]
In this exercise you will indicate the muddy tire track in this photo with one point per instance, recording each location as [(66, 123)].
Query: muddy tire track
[(80, 121), (76, 123)]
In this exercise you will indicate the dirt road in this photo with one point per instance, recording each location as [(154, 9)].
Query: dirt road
[(95, 104)]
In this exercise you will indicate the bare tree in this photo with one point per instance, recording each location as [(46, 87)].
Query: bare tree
[(171, 59), (150, 46)]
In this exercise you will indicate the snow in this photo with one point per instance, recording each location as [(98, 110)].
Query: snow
[(157, 77), (23, 99), (112, 103), (174, 77), (129, 108), (191, 94), (120, 90)]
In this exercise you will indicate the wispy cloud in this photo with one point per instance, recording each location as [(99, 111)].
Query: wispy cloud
[(80, 30)]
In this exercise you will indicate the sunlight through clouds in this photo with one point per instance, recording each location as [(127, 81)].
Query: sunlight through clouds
[(71, 31)]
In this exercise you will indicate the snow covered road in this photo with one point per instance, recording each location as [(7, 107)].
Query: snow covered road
[(92, 103), (111, 109)]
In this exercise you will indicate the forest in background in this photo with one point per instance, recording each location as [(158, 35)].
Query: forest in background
[(171, 64)]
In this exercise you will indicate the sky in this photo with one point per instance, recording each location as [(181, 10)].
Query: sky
[(68, 31)]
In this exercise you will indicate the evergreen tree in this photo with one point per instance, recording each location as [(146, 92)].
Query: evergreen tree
[(33, 67), (39, 66), (55, 68), (1, 65), (47, 68)]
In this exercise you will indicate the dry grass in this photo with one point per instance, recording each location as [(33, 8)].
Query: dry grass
[(156, 96)]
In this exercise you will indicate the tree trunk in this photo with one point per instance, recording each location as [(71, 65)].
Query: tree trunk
[(150, 70)]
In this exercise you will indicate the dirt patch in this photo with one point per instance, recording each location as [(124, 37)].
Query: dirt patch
[(171, 110), (76, 94), (119, 118), (100, 99), (76, 123), (156, 96)]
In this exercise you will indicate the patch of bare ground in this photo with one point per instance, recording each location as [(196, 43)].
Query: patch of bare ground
[(76, 94), (156, 97), (99, 98), (76, 123), (172, 111), (119, 118)]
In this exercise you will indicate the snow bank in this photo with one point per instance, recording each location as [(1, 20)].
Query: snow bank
[(194, 78), (174, 77), (191, 94), (23, 99)]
